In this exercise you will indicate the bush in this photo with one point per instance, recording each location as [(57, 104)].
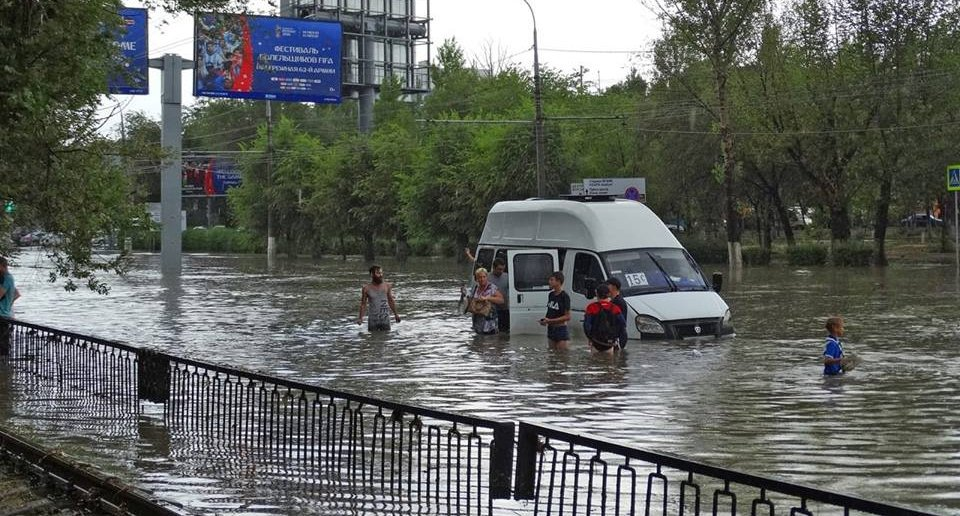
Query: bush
[(142, 239), (707, 251), (807, 254), (756, 255), (852, 254), (222, 240), (422, 247)]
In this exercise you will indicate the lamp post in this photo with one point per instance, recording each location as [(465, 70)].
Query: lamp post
[(538, 112)]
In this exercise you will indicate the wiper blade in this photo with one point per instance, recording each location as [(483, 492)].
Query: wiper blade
[(673, 286)]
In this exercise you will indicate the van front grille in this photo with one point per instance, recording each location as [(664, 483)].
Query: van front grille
[(688, 328)]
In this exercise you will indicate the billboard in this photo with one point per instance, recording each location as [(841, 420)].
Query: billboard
[(261, 57), (131, 39), (210, 178)]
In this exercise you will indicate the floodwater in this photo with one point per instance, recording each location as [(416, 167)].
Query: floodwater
[(757, 402)]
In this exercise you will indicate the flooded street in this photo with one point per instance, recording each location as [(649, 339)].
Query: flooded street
[(756, 402)]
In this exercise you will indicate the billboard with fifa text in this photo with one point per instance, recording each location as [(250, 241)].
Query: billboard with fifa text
[(266, 58), (132, 75)]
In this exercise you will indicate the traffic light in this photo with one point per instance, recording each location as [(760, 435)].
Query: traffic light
[(9, 207)]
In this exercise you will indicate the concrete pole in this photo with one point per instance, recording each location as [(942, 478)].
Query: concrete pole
[(171, 140), (271, 239), (368, 94)]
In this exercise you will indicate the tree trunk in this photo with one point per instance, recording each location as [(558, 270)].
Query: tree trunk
[(343, 248), (839, 222), (881, 220), (462, 242), (369, 249), (783, 215), (403, 248), (768, 221), (734, 231)]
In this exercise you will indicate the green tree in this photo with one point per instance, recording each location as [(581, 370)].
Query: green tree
[(63, 175), (715, 31)]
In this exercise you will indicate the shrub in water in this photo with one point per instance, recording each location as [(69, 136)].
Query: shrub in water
[(807, 254), (852, 254), (756, 255), (707, 251)]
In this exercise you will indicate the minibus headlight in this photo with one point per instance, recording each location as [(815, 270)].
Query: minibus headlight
[(727, 316), (647, 324)]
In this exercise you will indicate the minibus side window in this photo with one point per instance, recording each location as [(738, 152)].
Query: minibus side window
[(484, 258), (502, 255), (586, 266)]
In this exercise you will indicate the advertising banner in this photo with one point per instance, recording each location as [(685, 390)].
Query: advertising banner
[(204, 179), (266, 58), (131, 38)]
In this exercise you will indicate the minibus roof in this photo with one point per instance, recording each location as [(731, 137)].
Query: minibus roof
[(598, 225)]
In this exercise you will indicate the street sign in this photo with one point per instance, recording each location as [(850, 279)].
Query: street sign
[(953, 178), (9, 207), (633, 188)]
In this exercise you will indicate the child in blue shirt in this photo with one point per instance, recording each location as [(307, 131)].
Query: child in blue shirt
[(833, 351)]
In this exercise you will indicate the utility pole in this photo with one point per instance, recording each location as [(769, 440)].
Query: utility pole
[(171, 182), (538, 113), (271, 240)]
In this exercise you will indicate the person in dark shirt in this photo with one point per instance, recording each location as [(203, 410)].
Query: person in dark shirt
[(613, 285), (558, 313), (602, 336)]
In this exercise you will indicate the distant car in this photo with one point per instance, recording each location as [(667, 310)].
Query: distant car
[(49, 239), (31, 238), (799, 218), (920, 220)]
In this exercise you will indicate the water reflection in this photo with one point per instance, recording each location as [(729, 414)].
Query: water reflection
[(756, 401)]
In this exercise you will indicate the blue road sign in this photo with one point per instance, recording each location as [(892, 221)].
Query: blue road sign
[(953, 178)]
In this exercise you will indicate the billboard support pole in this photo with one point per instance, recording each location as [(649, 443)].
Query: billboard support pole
[(365, 120), (171, 181), (271, 240)]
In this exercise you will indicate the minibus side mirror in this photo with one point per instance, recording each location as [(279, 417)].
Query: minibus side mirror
[(717, 281), (590, 285)]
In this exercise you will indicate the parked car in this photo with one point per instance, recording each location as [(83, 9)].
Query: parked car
[(31, 238), (799, 217), (51, 239), (920, 220)]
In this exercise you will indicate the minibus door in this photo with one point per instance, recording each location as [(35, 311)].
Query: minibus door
[(528, 272)]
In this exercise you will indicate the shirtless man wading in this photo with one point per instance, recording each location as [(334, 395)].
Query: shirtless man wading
[(379, 295)]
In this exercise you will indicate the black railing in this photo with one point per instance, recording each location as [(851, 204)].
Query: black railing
[(347, 446), (338, 442), (566, 473)]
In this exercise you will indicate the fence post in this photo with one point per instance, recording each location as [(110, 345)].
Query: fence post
[(527, 445), (501, 461), (153, 376)]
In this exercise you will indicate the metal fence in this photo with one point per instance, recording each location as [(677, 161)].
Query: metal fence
[(571, 474), (338, 444), (358, 450)]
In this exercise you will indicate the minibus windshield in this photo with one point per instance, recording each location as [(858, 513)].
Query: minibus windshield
[(646, 271)]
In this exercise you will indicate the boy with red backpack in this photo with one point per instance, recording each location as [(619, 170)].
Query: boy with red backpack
[(603, 322)]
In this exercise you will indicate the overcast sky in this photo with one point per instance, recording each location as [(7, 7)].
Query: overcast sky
[(607, 37)]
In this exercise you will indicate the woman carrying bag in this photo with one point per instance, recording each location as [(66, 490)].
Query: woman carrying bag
[(484, 300)]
